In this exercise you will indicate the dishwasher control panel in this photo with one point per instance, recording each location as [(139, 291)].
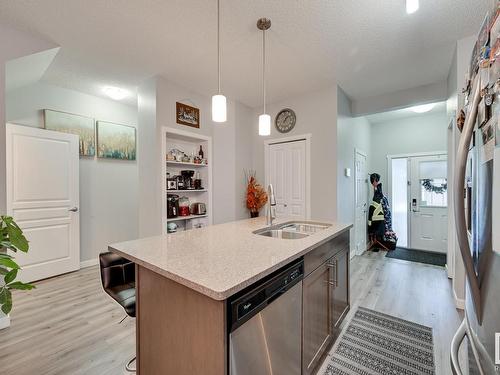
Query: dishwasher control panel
[(263, 293)]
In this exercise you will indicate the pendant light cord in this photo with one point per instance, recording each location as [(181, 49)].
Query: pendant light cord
[(218, 46), (264, 68)]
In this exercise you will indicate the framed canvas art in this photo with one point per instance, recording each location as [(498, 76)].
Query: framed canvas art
[(82, 126), (115, 141)]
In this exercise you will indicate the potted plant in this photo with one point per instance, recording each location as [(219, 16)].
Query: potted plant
[(256, 195), (11, 238)]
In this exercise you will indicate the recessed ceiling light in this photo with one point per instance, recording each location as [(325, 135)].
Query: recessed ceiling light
[(115, 93), (412, 6), (423, 108)]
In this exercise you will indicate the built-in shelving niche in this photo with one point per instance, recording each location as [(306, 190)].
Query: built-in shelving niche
[(189, 143)]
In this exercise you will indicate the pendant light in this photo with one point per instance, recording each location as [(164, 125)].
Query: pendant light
[(264, 119), (219, 104)]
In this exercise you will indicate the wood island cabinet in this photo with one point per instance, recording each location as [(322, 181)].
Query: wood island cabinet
[(325, 299)]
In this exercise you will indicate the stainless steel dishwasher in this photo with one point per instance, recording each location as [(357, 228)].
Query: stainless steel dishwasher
[(266, 326)]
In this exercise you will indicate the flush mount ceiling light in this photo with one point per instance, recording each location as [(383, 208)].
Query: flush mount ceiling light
[(219, 103), (412, 6), (264, 119), (115, 93), (423, 108)]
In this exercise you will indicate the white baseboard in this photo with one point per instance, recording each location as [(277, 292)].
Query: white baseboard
[(4, 322), (89, 263), (459, 303)]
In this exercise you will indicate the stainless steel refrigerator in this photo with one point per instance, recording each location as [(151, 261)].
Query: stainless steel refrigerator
[(477, 219)]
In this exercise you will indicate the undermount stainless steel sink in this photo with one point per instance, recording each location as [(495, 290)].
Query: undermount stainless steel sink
[(292, 229), (280, 233)]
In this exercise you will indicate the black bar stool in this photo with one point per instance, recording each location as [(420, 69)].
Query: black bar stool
[(118, 281)]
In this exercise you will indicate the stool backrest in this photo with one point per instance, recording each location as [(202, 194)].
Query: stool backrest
[(115, 270)]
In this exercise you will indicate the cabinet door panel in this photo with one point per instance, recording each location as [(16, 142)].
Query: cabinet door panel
[(340, 300), (317, 327)]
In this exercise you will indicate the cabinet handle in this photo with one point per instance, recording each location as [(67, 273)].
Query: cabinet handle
[(333, 266)]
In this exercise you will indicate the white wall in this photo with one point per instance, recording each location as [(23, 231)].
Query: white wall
[(352, 133), (424, 133), (13, 44), (316, 114), (230, 143), (108, 188)]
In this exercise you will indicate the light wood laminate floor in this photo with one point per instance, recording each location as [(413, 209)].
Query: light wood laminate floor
[(417, 292), (68, 325)]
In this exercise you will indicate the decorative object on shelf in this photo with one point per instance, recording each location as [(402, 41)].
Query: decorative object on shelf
[(172, 205), (171, 227), (200, 153), (256, 197), (70, 123), (264, 119), (184, 206), (11, 238), (198, 209), (197, 182), (433, 188), (115, 141), (285, 120), (187, 115), (219, 102)]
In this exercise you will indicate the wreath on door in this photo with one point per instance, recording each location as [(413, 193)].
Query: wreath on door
[(431, 187)]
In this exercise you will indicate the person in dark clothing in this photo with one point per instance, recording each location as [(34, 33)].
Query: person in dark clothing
[(379, 215)]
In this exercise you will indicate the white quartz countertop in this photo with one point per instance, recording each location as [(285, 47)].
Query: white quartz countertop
[(220, 260)]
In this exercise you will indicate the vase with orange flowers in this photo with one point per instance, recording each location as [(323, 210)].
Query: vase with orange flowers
[(256, 196)]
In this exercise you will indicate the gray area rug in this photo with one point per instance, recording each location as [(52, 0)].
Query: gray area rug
[(376, 343)]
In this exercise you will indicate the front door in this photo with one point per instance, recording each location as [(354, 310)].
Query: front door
[(43, 197), (287, 174), (361, 197), (428, 203)]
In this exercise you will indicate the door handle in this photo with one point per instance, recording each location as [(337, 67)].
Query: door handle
[(332, 265), (459, 202), (74, 209), (455, 346)]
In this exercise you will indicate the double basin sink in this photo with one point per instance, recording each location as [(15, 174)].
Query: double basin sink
[(292, 230)]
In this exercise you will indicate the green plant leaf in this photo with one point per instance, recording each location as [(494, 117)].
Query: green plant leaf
[(7, 307), (3, 271), (6, 256), (3, 295), (9, 263), (10, 277), (6, 300), (18, 240), (20, 286)]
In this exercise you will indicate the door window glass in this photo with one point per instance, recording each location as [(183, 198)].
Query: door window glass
[(434, 192)]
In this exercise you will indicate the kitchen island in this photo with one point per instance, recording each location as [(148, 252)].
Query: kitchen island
[(185, 282)]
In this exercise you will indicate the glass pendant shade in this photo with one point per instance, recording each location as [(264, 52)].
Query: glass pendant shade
[(219, 108), (264, 125)]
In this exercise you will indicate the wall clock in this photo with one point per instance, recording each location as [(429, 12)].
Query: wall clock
[(285, 120)]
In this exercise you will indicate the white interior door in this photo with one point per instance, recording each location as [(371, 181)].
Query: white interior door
[(287, 173), (361, 203), (43, 197), (429, 203)]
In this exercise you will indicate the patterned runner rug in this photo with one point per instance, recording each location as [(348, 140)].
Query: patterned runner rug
[(376, 343)]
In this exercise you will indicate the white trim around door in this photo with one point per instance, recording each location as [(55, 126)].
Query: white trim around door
[(301, 137), (360, 251)]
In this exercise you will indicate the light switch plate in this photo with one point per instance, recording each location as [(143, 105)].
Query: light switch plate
[(348, 172)]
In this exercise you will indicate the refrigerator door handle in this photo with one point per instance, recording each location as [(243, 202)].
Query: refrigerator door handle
[(459, 204), (455, 347)]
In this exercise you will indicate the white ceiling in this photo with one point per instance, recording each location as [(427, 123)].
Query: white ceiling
[(369, 47), (404, 113)]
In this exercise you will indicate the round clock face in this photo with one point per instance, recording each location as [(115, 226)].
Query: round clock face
[(285, 120)]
